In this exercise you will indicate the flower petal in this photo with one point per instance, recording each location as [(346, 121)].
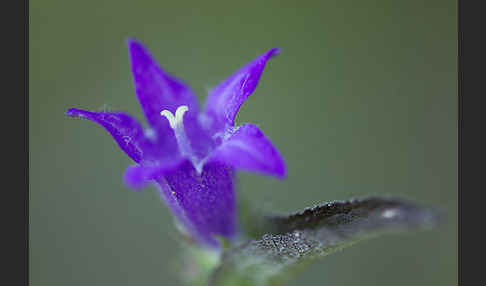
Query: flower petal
[(155, 89), (207, 200), (249, 149), (137, 176), (225, 100), (126, 131), (166, 194), (204, 204)]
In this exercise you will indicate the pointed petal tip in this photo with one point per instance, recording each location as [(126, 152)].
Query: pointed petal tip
[(263, 58), (130, 40), (133, 42), (137, 50), (273, 52), (74, 112), (70, 112)]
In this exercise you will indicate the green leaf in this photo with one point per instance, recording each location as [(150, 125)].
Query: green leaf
[(291, 242)]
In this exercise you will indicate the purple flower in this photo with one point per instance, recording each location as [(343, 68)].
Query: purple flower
[(191, 155)]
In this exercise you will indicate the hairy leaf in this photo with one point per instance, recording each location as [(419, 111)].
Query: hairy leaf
[(293, 241)]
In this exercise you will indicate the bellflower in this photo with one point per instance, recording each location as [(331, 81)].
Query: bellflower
[(190, 154)]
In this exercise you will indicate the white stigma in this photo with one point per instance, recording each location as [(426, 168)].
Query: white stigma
[(177, 124)]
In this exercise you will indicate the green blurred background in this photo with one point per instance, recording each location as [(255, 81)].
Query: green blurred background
[(362, 100)]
